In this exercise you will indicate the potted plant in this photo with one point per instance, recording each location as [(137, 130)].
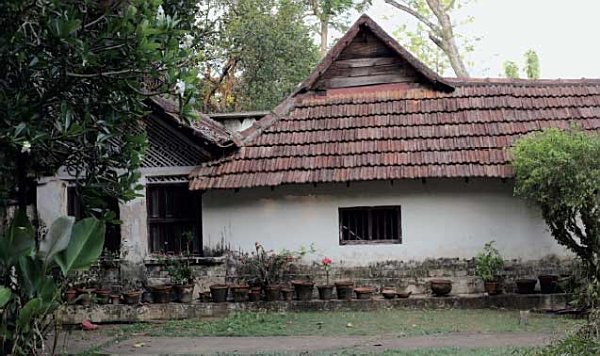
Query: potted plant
[(219, 292), (132, 297), (267, 268), (326, 291), (287, 294), (303, 289), (389, 293), (364, 292), (548, 283), (343, 289), (161, 294), (180, 272), (440, 287), (240, 293), (102, 295), (488, 265), (526, 285), (254, 295)]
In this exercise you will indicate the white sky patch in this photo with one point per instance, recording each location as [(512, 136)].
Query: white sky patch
[(562, 32)]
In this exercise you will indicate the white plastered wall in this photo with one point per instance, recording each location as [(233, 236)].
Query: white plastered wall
[(440, 218)]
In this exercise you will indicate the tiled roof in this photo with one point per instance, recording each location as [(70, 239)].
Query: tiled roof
[(437, 129), (395, 134), (204, 128)]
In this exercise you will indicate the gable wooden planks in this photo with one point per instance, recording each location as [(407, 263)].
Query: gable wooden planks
[(367, 61)]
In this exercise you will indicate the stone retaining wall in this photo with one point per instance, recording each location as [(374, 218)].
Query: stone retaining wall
[(401, 275), (174, 311)]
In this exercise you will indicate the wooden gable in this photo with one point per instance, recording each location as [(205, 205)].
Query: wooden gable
[(367, 60), (367, 55)]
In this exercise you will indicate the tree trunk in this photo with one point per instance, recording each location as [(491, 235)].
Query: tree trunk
[(324, 32), (448, 39), (441, 33)]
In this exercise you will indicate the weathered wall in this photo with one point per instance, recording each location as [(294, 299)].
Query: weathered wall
[(51, 200), (440, 219)]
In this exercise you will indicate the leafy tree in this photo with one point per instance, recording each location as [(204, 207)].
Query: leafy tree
[(511, 70), (435, 17), (330, 13), (263, 49), (74, 79), (559, 171), (75, 74), (532, 65)]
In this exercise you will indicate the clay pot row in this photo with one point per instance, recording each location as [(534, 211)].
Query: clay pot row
[(302, 290), (548, 284), (158, 295)]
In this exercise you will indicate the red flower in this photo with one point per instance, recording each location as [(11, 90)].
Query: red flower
[(326, 261)]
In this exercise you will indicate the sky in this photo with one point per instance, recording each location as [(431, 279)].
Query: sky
[(564, 34)]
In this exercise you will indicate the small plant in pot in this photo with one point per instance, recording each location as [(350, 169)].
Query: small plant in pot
[(488, 265), (240, 292), (526, 285), (182, 279), (326, 291), (131, 294), (304, 289), (219, 292), (344, 289), (440, 287)]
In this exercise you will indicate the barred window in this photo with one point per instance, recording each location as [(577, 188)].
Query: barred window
[(174, 224), (364, 225)]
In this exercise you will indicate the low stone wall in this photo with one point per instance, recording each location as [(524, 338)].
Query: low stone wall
[(174, 311), (401, 275)]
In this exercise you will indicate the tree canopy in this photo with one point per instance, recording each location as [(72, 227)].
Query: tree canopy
[(559, 171), (72, 89)]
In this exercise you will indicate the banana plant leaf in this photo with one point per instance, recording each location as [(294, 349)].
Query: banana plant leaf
[(5, 295), (85, 246), (18, 240), (57, 238)]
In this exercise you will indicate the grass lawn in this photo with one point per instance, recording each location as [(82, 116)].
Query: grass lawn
[(388, 322)]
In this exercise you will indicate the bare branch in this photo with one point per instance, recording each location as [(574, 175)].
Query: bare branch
[(435, 28)]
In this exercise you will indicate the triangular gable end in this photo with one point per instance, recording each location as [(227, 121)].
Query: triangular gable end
[(367, 55)]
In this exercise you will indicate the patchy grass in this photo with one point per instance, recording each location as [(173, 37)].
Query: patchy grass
[(388, 322)]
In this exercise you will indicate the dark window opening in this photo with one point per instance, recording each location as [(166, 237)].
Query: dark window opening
[(75, 208), (364, 225), (174, 224)]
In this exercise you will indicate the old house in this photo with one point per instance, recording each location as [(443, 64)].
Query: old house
[(373, 158)]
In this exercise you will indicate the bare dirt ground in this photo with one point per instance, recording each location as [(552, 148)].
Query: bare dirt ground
[(294, 344)]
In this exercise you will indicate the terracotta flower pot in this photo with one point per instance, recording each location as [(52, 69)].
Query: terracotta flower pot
[(69, 296), (548, 283), (132, 297), (240, 293), (184, 293), (219, 292), (102, 295), (364, 293), (272, 292), (325, 292), (343, 289), (287, 294), (147, 297), (404, 295), (526, 285), (440, 287), (389, 293), (84, 296), (115, 299), (254, 296), (493, 287), (304, 289), (161, 294)]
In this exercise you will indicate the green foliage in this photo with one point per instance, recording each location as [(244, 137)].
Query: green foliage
[(74, 77), (426, 42), (263, 268), (488, 262), (559, 171), (511, 69), (418, 43), (180, 271), (532, 65), (262, 50), (30, 294)]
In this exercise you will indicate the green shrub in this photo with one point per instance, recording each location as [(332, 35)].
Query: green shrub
[(488, 262)]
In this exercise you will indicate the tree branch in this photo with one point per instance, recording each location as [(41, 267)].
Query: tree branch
[(435, 28)]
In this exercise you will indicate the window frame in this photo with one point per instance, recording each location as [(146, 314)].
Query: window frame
[(369, 209), (162, 221)]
